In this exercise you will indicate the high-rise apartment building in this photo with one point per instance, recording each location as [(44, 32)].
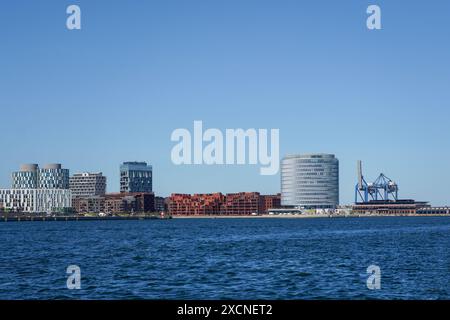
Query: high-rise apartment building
[(136, 177), (310, 181), (51, 176), (87, 184)]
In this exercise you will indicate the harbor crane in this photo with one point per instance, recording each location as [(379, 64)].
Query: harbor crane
[(382, 188)]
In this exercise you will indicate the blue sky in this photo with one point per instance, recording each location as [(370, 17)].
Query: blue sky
[(116, 89)]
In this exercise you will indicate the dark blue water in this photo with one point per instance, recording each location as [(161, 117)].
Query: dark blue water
[(227, 258)]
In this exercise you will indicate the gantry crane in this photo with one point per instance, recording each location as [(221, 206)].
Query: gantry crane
[(382, 188)]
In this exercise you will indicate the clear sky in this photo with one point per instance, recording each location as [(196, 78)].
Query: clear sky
[(116, 89)]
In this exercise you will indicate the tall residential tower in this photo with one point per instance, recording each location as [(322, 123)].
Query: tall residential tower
[(136, 177), (310, 181), (88, 184)]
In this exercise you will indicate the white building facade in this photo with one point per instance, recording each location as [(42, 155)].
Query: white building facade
[(38, 190), (35, 200), (310, 181), (87, 184)]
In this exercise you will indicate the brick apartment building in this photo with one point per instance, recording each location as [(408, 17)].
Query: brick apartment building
[(115, 203), (271, 202), (243, 203), (197, 204)]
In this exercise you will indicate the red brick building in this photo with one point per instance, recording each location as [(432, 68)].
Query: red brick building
[(271, 202), (94, 204), (243, 203), (197, 204)]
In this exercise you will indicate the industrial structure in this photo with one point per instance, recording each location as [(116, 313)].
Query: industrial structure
[(381, 197), (382, 188)]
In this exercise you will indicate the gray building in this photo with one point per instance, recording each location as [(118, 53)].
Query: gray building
[(310, 181), (87, 184), (136, 177)]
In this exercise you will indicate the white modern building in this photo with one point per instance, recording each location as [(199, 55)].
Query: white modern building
[(35, 200), (36, 190), (310, 181), (87, 184)]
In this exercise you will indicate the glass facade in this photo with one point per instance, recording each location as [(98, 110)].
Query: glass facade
[(310, 181), (51, 176), (25, 180), (136, 177), (37, 190)]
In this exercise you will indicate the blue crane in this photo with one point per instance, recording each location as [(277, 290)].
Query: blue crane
[(382, 188)]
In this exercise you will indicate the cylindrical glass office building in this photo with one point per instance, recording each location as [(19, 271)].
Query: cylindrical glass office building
[(310, 181)]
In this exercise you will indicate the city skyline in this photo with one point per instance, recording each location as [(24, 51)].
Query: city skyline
[(115, 90)]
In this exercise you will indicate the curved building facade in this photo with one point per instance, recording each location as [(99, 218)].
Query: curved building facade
[(53, 176), (26, 178), (310, 181)]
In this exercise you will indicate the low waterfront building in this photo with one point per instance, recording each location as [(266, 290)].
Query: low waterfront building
[(129, 202), (94, 204), (434, 210), (196, 204), (160, 204), (271, 202), (115, 203), (243, 203), (87, 184), (404, 206), (36, 200)]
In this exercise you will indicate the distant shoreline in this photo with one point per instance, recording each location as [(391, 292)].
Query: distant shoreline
[(304, 216), (181, 217), (77, 218)]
